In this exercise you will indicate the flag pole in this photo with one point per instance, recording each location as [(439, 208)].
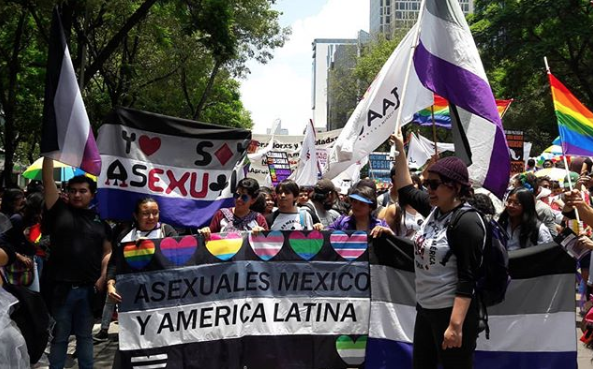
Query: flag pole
[(434, 131), (319, 171), (570, 185), (506, 109), (409, 66)]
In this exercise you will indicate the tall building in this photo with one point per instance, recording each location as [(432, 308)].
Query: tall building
[(326, 54), (388, 15)]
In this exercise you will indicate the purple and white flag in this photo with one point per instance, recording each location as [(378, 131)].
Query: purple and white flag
[(190, 168), (447, 62), (66, 132)]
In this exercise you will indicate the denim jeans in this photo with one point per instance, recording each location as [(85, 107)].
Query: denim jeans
[(73, 316)]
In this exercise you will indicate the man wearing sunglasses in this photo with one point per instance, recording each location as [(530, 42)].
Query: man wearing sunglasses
[(240, 217)]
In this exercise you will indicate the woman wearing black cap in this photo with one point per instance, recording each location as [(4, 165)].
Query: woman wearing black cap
[(446, 263)]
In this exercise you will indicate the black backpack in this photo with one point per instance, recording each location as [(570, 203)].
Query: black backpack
[(493, 274)]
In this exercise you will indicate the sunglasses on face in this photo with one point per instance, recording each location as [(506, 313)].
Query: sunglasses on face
[(433, 184), (244, 197)]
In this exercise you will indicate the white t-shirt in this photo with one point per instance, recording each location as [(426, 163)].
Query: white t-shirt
[(411, 224), (293, 221), (135, 234)]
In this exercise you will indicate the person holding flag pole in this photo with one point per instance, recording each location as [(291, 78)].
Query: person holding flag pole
[(575, 125), (446, 62), (80, 240)]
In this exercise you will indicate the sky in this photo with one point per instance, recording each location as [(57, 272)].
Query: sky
[(282, 87)]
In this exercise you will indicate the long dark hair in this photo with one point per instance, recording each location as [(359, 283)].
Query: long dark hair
[(529, 220)]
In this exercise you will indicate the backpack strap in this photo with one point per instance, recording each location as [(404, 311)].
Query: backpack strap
[(311, 209), (302, 219), (455, 222), (228, 214), (386, 197)]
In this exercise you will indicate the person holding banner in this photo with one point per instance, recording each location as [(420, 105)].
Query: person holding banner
[(146, 225), (447, 262), (363, 201), (241, 217)]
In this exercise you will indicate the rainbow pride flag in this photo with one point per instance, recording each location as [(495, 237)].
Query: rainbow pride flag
[(575, 121), (441, 112)]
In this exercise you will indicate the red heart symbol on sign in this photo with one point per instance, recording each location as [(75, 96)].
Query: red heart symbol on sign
[(149, 145)]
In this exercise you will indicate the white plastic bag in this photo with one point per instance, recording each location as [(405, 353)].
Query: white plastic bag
[(13, 349)]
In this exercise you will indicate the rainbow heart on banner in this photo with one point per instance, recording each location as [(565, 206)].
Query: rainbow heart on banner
[(351, 351), (306, 246), (266, 247), (350, 247), (139, 256), (180, 252), (224, 245)]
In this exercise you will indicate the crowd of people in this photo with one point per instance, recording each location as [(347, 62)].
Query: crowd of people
[(57, 244)]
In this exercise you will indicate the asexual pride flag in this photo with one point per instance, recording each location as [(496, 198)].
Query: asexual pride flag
[(189, 167)]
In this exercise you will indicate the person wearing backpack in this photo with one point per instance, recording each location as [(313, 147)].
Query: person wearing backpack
[(447, 263), (321, 201), (520, 221)]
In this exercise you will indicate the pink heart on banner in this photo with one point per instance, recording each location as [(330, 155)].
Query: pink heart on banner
[(350, 247), (267, 247), (149, 145), (179, 252)]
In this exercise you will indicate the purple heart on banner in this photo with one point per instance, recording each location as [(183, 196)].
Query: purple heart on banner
[(179, 252)]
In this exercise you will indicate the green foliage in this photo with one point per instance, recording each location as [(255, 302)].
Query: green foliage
[(178, 58), (514, 36)]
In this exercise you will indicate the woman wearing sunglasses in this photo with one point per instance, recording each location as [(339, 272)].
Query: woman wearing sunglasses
[(446, 263), (241, 217)]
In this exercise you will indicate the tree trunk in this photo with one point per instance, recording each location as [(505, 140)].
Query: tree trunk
[(9, 106), (213, 74)]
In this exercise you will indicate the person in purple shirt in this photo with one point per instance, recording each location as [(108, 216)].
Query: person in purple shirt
[(363, 201)]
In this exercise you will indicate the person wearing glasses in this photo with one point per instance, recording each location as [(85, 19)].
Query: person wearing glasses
[(446, 263), (519, 218), (241, 217)]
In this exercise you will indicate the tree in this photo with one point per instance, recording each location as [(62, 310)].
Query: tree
[(179, 58), (514, 36)]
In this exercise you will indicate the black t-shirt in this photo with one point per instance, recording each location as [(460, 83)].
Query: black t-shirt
[(77, 237)]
